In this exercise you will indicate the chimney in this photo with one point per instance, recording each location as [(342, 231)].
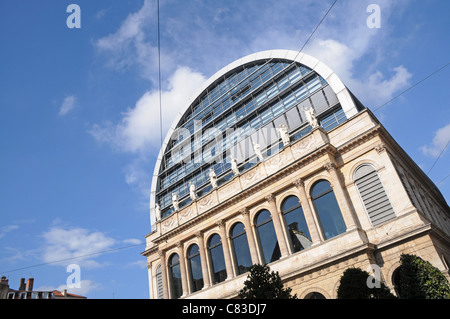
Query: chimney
[(30, 282), (4, 280), (22, 284)]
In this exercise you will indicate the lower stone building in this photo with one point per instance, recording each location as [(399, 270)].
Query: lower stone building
[(330, 197)]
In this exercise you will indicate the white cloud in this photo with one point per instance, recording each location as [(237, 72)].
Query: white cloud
[(343, 44), (440, 141), (67, 105), (129, 46), (133, 241), (139, 129), (74, 245), (6, 229)]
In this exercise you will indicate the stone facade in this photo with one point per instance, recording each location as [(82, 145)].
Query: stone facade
[(421, 224)]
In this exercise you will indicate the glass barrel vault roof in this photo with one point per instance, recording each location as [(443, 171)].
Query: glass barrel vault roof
[(242, 107)]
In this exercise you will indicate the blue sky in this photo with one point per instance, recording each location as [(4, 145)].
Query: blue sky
[(79, 121)]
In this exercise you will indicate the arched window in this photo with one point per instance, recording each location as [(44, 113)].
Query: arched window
[(218, 261), (373, 195), (267, 236), (159, 283), (327, 209), (315, 295), (240, 248), (195, 268), (296, 223), (175, 276)]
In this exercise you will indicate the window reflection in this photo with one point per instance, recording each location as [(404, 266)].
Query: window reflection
[(218, 261), (195, 268), (327, 208), (296, 223), (175, 276), (240, 248), (267, 237)]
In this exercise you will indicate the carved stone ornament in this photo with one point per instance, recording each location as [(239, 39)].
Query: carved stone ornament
[(199, 234), (380, 148), (299, 183), (270, 198), (329, 166), (244, 211)]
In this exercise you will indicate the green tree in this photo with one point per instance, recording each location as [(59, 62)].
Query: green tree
[(261, 283), (419, 279), (353, 285)]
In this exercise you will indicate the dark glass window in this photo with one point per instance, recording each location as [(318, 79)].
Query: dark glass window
[(218, 260), (195, 268), (296, 223), (267, 236), (175, 276), (240, 248), (327, 208)]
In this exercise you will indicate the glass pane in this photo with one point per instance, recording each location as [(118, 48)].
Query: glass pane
[(298, 229), (242, 253), (219, 270), (174, 260), (215, 240), (289, 203), (195, 266), (320, 188), (175, 274), (330, 215), (263, 216), (269, 242), (238, 229), (193, 250)]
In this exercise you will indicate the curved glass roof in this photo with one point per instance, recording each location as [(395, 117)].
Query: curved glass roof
[(241, 108)]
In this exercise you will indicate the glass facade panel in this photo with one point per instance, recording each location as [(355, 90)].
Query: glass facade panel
[(218, 260), (241, 249), (195, 268), (267, 237), (175, 276), (296, 223), (328, 210), (235, 106)]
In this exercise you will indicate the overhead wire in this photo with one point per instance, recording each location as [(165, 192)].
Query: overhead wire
[(159, 73)]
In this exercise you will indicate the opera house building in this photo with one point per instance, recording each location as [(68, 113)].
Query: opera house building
[(274, 161)]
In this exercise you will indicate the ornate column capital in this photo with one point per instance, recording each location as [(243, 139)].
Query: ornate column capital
[(270, 198), (220, 223), (380, 148), (199, 234), (329, 166), (161, 253), (179, 244), (299, 182), (244, 211)]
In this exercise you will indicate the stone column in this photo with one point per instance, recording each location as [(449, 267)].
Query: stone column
[(183, 269), (205, 273), (162, 257), (309, 217), (226, 249), (250, 238), (278, 226), (338, 188)]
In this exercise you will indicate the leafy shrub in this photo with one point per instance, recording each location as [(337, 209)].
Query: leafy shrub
[(263, 284)]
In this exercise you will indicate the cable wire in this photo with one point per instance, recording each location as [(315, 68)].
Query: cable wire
[(159, 75), (72, 258)]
